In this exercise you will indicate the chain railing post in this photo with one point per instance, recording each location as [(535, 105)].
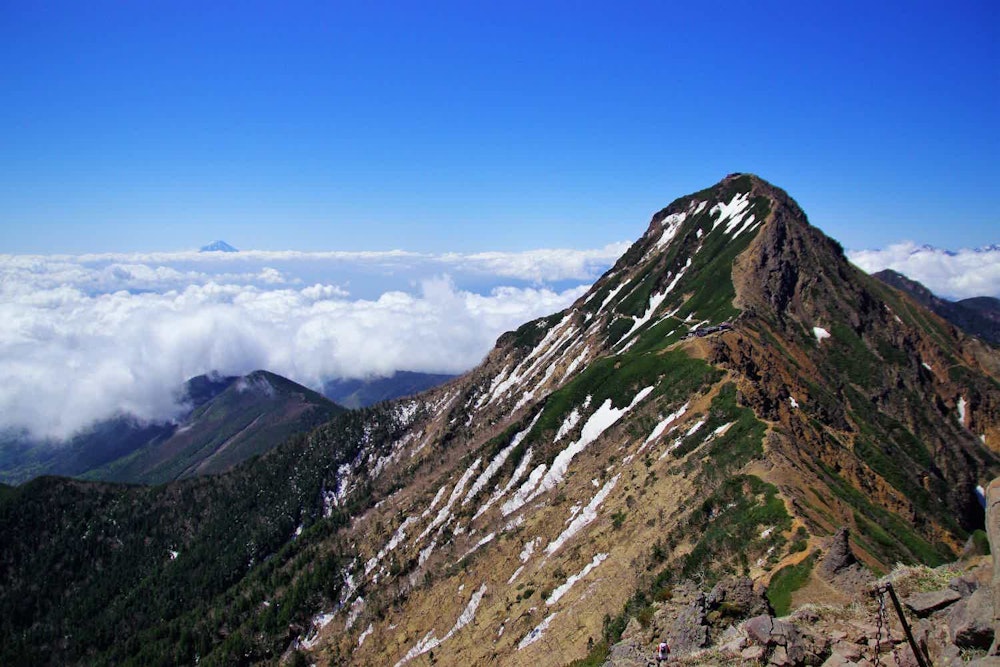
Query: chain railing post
[(922, 660)]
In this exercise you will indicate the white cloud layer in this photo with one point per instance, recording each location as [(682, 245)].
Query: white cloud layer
[(952, 275), (84, 338)]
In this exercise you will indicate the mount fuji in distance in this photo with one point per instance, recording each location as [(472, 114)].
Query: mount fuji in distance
[(217, 246)]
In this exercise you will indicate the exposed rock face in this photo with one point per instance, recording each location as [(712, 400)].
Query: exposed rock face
[(838, 556), (735, 598), (993, 531)]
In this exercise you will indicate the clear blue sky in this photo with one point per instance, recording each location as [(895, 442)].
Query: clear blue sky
[(436, 126)]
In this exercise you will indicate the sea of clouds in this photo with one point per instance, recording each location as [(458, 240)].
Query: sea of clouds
[(87, 337), (949, 274)]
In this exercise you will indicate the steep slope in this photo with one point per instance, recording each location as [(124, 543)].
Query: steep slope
[(978, 316), (730, 390), (729, 394), (253, 414)]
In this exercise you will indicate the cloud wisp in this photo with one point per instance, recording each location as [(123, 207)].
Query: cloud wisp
[(950, 274), (86, 338)]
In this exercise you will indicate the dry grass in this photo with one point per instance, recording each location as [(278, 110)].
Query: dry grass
[(910, 579)]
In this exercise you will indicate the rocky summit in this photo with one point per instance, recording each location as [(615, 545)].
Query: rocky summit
[(732, 433)]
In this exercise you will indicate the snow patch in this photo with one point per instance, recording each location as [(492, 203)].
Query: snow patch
[(437, 499), (445, 511), (721, 430), (961, 410), (601, 420), (564, 588), (522, 468), (585, 518), (670, 225), (529, 549), (536, 633), (430, 641), (364, 635), (694, 429), (319, 622), (571, 421), (667, 421), (733, 211), (524, 494), (820, 334), (793, 402), (498, 462), (576, 363)]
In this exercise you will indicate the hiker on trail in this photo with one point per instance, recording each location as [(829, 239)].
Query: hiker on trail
[(662, 653)]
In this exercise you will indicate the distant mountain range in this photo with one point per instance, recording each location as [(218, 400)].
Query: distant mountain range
[(978, 316), (231, 420)]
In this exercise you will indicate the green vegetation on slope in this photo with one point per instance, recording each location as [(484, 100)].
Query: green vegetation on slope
[(786, 581), (96, 558)]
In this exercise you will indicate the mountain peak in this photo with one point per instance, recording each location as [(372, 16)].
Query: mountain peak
[(218, 246)]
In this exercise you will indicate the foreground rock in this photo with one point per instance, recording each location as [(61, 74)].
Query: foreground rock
[(952, 611)]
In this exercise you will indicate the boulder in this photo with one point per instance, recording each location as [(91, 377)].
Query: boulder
[(734, 599), (925, 604), (783, 637), (964, 585), (971, 621), (627, 654), (688, 631)]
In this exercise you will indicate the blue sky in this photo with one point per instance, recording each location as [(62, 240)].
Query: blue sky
[(435, 127)]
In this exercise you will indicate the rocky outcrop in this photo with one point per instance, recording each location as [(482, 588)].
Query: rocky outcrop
[(993, 532), (735, 598)]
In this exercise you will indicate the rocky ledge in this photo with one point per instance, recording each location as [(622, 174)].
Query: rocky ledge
[(953, 612)]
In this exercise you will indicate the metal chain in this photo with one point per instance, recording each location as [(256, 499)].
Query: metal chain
[(881, 620)]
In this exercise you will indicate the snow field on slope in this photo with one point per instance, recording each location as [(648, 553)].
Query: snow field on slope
[(654, 302), (820, 334), (601, 420), (430, 641), (445, 513), (497, 462), (733, 211), (662, 426), (523, 494), (544, 349), (319, 622), (584, 518), (578, 359), (563, 588), (522, 468), (537, 632), (364, 635), (397, 537)]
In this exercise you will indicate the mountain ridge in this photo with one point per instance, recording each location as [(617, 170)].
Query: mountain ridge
[(225, 424), (721, 402), (977, 316)]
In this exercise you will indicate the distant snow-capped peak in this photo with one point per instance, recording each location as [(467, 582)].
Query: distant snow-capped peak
[(218, 246)]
